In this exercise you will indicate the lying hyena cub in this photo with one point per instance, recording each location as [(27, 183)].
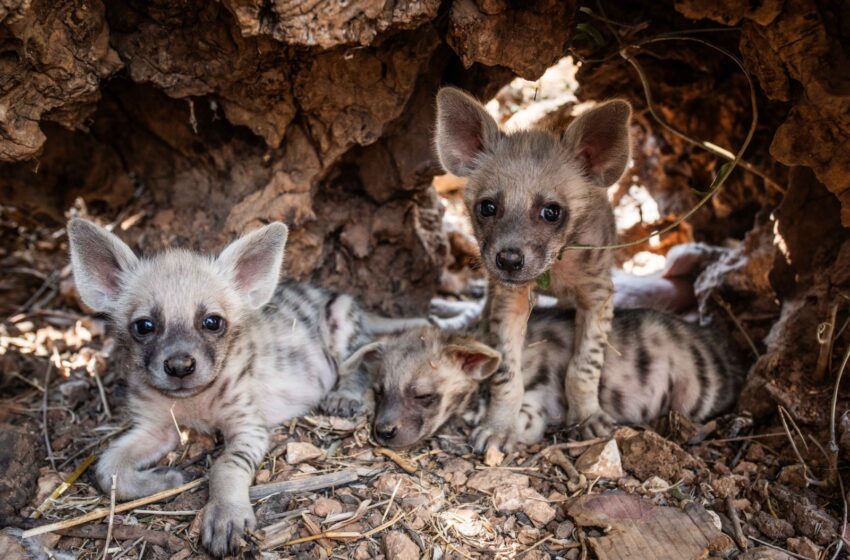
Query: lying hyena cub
[(423, 377), (531, 194), (221, 345)]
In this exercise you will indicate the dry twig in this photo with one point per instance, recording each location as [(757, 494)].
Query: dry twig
[(111, 521)]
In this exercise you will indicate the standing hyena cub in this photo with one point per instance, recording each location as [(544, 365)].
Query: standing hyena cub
[(218, 343), (530, 195)]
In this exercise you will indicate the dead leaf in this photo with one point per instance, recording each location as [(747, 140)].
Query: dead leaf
[(636, 525)]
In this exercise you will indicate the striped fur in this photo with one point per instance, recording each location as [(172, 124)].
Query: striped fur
[(655, 363), (276, 356)]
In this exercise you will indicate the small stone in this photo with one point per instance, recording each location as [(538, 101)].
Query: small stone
[(772, 527), (601, 460), (537, 509), (324, 507), (182, 555), (398, 546), (564, 530), (623, 433), (507, 498), (362, 551), (764, 553), (725, 486), (487, 480), (493, 457), (300, 452), (656, 484), (466, 522), (75, 391), (528, 536), (804, 547), (263, 476)]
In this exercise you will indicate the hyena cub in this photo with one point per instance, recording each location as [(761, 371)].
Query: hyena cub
[(214, 344), (424, 377), (530, 195)]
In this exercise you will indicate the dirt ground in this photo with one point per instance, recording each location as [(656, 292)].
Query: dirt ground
[(748, 485)]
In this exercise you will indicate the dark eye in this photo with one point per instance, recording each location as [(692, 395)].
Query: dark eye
[(551, 213), (426, 400), (487, 208), (143, 327), (212, 323)]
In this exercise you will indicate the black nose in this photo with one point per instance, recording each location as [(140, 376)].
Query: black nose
[(179, 365), (385, 433), (510, 260)]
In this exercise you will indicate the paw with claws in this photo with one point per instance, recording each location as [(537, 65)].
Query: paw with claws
[(224, 525), (490, 435), (590, 425), (136, 484), (341, 403)]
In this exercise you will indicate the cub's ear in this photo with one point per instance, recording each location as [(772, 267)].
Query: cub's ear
[(100, 262), (253, 263), (476, 359), (465, 131), (600, 140), (368, 355)]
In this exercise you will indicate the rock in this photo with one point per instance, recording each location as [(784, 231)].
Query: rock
[(764, 553), (726, 486), (623, 433), (564, 530), (537, 508), (526, 37), (363, 552), (527, 536), (18, 467), (772, 527), (601, 460), (656, 484), (487, 480), (465, 522), (804, 547), (493, 457), (324, 507), (648, 454), (298, 452), (263, 476), (509, 498), (398, 546), (806, 518)]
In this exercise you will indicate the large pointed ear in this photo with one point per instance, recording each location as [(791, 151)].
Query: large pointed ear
[(465, 131), (253, 263), (367, 354), (600, 139), (99, 260), (476, 359)]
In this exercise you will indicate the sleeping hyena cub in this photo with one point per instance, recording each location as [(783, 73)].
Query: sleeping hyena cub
[(214, 344), (424, 377), (531, 195)]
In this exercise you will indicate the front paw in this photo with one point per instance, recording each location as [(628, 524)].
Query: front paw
[(489, 435), (223, 526), (341, 404), (137, 484), (590, 425)]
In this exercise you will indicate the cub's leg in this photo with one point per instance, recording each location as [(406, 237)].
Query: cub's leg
[(507, 321), (594, 313), (145, 444), (228, 512)]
